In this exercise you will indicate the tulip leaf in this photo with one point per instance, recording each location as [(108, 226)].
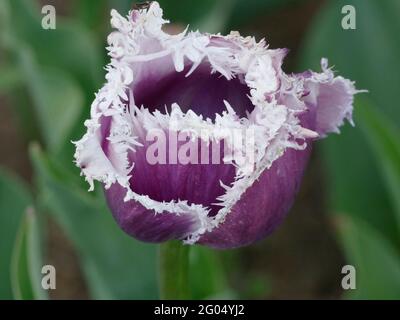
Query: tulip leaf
[(217, 18), (115, 265), (14, 198), (384, 137), (26, 266), (376, 262), (57, 98), (4, 16), (10, 78), (369, 55), (70, 46), (62, 69), (91, 13)]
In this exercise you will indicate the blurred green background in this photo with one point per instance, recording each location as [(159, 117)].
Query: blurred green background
[(348, 210)]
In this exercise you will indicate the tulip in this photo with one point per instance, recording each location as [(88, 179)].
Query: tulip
[(203, 138)]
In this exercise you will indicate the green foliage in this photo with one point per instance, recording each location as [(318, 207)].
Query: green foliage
[(71, 46), (383, 137), (57, 98), (27, 261), (376, 261), (14, 199), (363, 161), (60, 69), (10, 78)]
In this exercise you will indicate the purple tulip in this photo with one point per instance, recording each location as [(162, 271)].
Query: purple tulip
[(226, 94)]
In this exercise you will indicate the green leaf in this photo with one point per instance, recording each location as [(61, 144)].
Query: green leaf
[(4, 19), (26, 263), (10, 78), (14, 198), (356, 185), (62, 69), (115, 265), (91, 13), (384, 137), (57, 98), (376, 261), (217, 18), (70, 46)]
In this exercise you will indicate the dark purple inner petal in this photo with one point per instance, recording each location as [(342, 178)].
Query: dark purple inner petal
[(201, 92), (196, 183)]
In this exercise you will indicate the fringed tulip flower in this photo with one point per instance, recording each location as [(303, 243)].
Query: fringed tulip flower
[(203, 137)]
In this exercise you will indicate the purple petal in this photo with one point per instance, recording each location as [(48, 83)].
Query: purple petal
[(263, 206), (331, 97), (144, 224)]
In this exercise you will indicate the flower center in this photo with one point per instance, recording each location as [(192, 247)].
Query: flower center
[(201, 92)]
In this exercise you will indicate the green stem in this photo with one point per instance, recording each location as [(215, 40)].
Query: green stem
[(174, 270)]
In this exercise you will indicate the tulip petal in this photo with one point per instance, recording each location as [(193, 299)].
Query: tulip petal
[(263, 206), (331, 96), (145, 224)]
